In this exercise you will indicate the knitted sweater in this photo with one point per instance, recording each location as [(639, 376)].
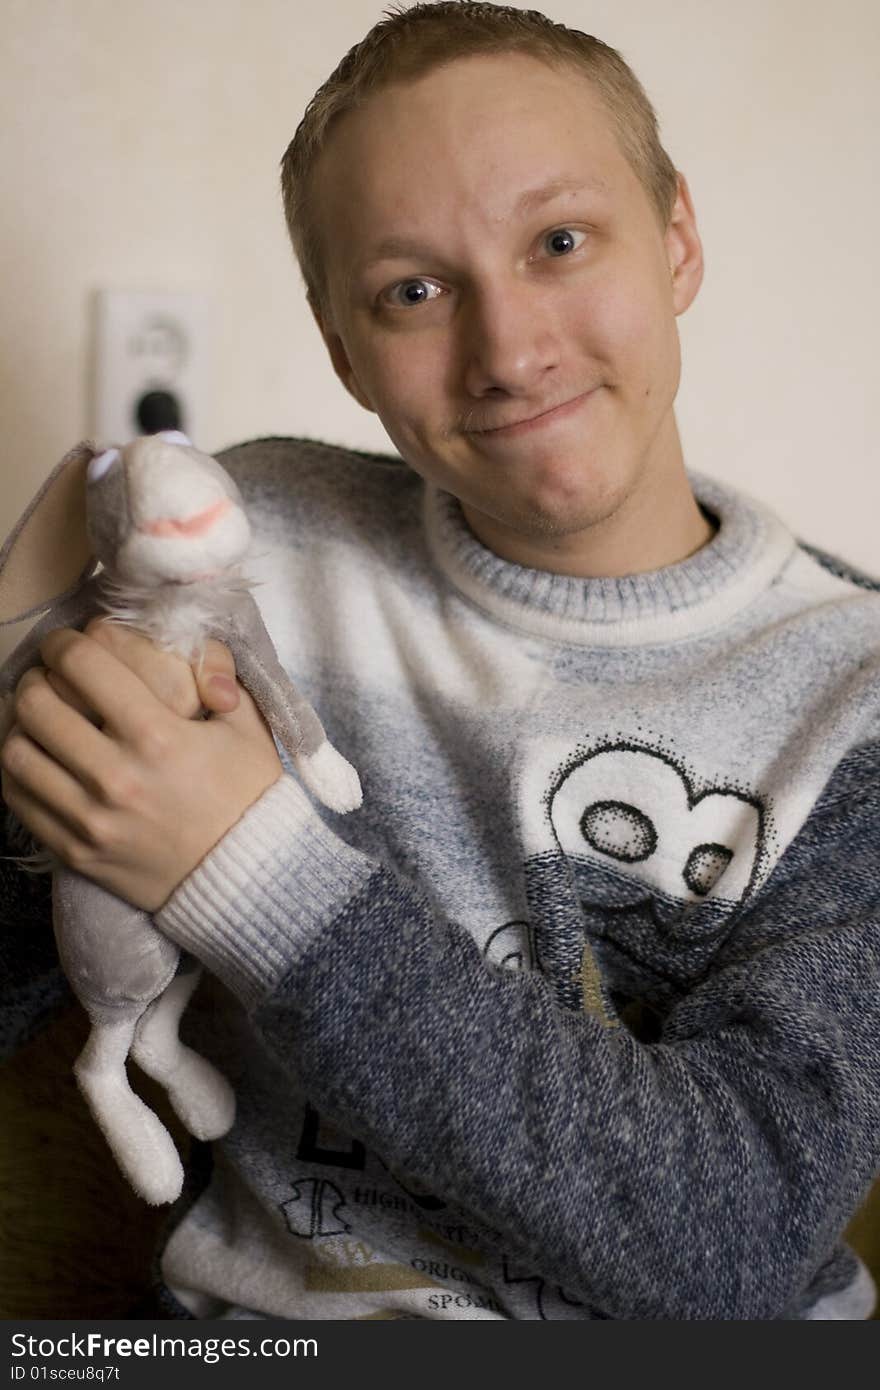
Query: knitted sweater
[(577, 1017)]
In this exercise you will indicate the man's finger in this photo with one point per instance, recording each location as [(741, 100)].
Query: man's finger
[(215, 678), (67, 693), (166, 674), (58, 729), (120, 698), (209, 683), (48, 801)]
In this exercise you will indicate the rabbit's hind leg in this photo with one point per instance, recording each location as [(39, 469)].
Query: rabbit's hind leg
[(201, 1097), (140, 1143)]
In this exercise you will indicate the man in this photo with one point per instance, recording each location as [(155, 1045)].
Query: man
[(577, 1017)]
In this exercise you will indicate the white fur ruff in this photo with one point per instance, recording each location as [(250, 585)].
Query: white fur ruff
[(177, 617)]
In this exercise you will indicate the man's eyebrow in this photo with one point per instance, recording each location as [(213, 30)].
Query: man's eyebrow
[(394, 248), (534, 198), (409, 248)]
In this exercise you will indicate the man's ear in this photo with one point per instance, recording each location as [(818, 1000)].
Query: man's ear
[(684, 249), (338, 355)]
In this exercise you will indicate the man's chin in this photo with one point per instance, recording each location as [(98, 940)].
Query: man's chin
[(528, 531), (558, 515)]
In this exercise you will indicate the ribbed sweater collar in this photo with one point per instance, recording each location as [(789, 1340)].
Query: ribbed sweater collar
[(710, 588)]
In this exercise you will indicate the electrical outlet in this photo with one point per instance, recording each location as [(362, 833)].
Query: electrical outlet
[(152, 364)]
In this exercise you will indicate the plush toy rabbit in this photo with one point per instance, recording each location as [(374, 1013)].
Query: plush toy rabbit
[(168, 527)]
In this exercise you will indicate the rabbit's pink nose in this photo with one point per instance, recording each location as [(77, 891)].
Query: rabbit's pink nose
[(193, 525)]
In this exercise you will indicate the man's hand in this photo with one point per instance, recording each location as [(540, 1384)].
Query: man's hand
[(208, 684), (107, 766)]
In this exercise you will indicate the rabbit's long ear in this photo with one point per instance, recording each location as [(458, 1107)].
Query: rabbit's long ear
[(48, 555)]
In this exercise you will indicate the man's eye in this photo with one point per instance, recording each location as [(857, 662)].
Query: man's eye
[(563, 241), (409, 292)]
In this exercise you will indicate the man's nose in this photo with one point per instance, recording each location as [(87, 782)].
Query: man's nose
[(509, 340)]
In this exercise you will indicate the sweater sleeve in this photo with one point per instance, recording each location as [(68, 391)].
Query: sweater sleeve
[(705, 1175)]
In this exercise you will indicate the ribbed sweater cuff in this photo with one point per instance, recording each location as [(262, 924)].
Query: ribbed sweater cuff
[(277, 877)]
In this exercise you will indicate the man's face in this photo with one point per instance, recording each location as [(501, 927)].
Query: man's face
[(501, 293)]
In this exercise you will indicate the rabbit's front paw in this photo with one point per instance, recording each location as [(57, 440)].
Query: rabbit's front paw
[(332, 779)]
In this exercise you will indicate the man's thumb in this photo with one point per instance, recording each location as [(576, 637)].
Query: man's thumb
[(215, 677)]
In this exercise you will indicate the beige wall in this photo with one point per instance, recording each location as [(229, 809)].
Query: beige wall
[(139, 144)]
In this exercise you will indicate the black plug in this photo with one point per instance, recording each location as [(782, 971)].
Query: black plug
[(159, 410)]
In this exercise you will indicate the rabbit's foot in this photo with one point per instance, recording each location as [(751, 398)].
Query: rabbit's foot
[(140, 1143), (200, 1095), (332, 779), (202, 1098)]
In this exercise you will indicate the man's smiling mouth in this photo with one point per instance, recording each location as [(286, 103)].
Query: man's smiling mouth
[(510, 429)]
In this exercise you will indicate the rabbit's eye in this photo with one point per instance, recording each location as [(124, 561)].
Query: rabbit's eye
[(100, 464)]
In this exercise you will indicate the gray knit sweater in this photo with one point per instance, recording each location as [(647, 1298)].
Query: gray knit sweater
[(578, 1016)]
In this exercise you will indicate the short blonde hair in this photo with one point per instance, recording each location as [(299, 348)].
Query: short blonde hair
[(409, 42)]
